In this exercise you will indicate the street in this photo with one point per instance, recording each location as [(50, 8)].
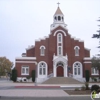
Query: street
[(48, 98)]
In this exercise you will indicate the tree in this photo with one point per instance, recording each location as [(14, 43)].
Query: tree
[(14, 75), (5, 66), (96, 63)]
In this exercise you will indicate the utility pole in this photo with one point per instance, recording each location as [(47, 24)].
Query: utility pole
[(97, 35)]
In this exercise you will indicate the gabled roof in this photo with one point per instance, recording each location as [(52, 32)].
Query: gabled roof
[(58, 11)]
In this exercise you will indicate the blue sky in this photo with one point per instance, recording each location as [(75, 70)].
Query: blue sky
[(24, 21)]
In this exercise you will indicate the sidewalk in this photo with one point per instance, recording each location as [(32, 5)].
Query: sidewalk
[(10, 83), (35, 92)]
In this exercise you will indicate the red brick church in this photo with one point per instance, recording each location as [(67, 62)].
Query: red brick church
[(59, 55)]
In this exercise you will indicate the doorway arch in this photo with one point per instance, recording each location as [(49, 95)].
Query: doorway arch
[(60, 69)]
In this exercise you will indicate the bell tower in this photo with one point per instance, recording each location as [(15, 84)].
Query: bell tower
[(58, 18)]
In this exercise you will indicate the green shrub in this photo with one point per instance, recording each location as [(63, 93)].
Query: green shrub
[(95, 80), (28, 77), (95, 87), (33, 75), (14, 75), (83, 88), (76, 89), (86, 85), (92, 79), (87, 75)]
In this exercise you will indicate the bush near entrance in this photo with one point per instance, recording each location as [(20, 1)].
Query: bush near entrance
[(33, 75), (87, 75)]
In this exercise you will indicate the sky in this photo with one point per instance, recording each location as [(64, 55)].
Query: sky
[(22, 22)]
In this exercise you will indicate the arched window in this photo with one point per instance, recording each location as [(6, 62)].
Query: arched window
[(42, 68), (59, 48), (59, 38), (77, 69), (59, 18), (76, 48), (42, 50), (59, 44), (62, 19), (55, 18)]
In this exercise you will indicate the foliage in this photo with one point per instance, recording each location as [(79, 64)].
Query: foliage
[(94, 87), (86, 85), (96, 62), (83, 88), (5, 66), (76, 89), (33, 75), (95, 80), (14, 75), (28, 77), (87, 75)]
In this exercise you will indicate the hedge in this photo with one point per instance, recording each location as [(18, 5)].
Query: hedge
[(33, 75)]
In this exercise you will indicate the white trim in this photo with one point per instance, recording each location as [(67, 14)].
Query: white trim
[(76, 47), (44, 38), (73, 37), (26, 62), (42, 50), (87, 49), (31, 58), (87, 58), (94, 74), (60, 31), (61, 42), (57, 59), (42, 46), (81, 70), (25, 66), (30, 47), (55, 25), (87, 62), (94, 71), (46, 73), (58, 37)]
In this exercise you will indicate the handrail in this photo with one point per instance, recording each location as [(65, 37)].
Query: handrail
[(50, 75)]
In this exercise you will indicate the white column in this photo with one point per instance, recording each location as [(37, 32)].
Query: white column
[(54, 70), (65, 71)]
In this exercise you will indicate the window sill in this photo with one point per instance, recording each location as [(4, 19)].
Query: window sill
[(76, 55), (94, 74), (42, 55), (24, 74)]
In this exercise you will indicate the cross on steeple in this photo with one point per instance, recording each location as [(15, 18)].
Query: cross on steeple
[(58, 4)]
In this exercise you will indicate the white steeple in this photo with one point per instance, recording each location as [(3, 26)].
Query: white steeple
[(58, 19)]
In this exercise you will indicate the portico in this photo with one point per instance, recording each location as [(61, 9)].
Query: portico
[(60, 66)]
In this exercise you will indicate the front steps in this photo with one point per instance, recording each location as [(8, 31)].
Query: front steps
[(61, 80)]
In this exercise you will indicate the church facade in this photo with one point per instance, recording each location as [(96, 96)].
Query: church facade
[(58, 55)]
